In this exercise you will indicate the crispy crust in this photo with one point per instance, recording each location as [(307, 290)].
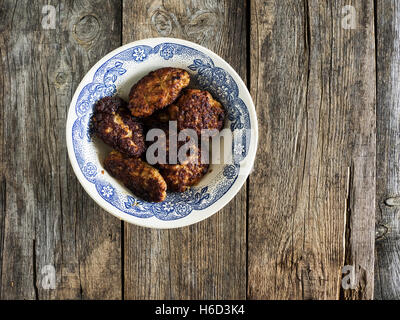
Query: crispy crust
[(113, 124), (198, 110), (184, 174), (180, 177), (138, 176), (160, 118), (157, 90)]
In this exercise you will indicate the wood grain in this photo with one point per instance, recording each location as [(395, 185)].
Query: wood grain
[(207, 260), (312, 193), (387, 266), (47, 218), (311, 198)]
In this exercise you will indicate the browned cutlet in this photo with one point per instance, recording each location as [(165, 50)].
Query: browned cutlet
[(157, 90), (183, 174), (179, 177), (160, 118), (114, 124), (199, 111), (138, 176)]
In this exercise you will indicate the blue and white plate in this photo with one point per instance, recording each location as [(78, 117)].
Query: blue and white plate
[(115, 74)]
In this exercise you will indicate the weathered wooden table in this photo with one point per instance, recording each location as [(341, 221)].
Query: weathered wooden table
[(325, 78)]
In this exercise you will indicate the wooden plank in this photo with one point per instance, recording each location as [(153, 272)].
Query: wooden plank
[(387, 265), (312, 193), (207, 260), (47, 218)]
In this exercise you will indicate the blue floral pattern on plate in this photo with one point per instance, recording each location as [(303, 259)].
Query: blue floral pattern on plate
[(209, 77)]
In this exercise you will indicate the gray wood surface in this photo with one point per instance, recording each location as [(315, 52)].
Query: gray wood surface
[(206, 260), (387, 267), (312, 193), (47, 218), (309, 206)]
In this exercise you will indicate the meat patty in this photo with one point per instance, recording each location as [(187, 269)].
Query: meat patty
[(113, 124), (179, 177), (138, 176), (185, 172), (198, 110), (160, 118), (157, 90)]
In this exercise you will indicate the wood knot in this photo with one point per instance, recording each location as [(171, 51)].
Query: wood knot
[(162, 22), (393, 202), (380, 231), (86, 29), (61, 78), (202, 24)]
